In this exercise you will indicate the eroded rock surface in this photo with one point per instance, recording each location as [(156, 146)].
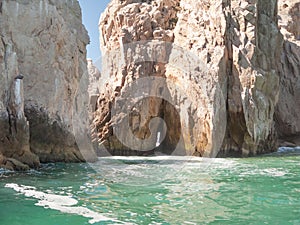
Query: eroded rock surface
[(93, 90), (14, 136), (253, 83), (223, 104), (126, 27), (288, 108), (46, 42)]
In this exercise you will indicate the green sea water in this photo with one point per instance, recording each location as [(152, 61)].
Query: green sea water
[(157, 190)]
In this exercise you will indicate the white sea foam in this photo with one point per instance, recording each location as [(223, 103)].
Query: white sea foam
[(270, 172), (167, 158), (273, 172), (288, 149), (65, 204)]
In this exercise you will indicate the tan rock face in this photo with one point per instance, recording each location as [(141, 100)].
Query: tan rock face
[(199, 32), (288, 108), (94, 76), (48, 45), (219, 79), (253, 81), (124, 27), (93, 90), (14, 127)]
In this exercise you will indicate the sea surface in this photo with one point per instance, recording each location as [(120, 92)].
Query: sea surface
[(156, 190)]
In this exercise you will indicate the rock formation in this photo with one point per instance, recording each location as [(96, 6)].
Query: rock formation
[(216, 64), (288, 108), (93, 90), (253, 83), (122, 24), (182, 77), (46, 42), (14, 127)]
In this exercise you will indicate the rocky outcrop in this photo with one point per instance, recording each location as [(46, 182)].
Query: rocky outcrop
[(253, 82), (46, 42), (216, 77), (288, 108), (14, 137), (93, 90), (122, 24)]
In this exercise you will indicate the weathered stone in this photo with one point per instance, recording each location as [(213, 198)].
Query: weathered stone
[(14, 127), (2, 160), (123, 26), (46, 42), (14, 164), (288, 107), (94, 76), (253, 81), (228, 97)]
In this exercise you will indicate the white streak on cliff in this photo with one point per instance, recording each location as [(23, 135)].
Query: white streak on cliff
[(17, 9), (41, 7)]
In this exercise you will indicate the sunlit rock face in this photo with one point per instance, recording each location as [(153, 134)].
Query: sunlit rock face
[(288, 108), (14, 136), (93, 90), (254, 48), (124, 26), (217, 82), (46, 42)]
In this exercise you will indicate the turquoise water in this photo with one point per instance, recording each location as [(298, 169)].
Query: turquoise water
[(158, 190)]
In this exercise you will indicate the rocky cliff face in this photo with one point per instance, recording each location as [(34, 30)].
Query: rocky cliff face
[(216, 69), (124, 27), (46, 42), (14, 137), (93, 90), (253, 81), (288, 108)]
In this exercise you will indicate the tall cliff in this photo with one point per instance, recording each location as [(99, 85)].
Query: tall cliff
[(288, 108), (216, 69), (44, 41)]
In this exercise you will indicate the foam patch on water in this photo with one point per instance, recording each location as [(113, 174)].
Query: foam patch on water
[(151, 158), (138, 171), (5, 172), (288, 149), (174, 163), (270, 172), (170, 158), (65, 204), (274, 172)]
